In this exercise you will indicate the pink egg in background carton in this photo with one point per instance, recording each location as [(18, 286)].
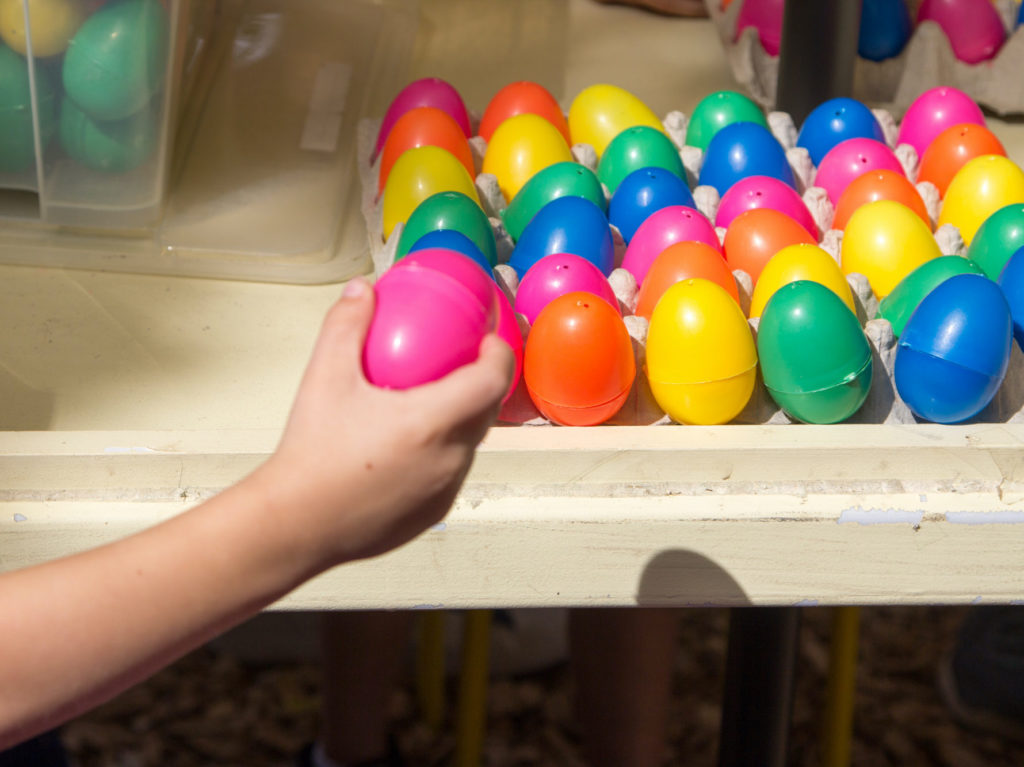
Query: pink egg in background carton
[(427, 92), (676, 223), (765, 16), (508, 331), (849, 159), (973, 27), (934, 111), (764, 192), (556, 275)]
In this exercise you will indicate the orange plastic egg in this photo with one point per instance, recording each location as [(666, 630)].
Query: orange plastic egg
[(950, 150), (578, 364), (878, 185), (523, 97), (424, 126), (755, 236), (684, 260)]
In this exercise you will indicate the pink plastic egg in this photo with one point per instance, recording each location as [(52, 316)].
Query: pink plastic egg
[(765, 16), (973, 27), (676, 223), (428, 92), (764, 192), (934, 111), (508, 331), (456, 265), (849, 159), (556, 275)]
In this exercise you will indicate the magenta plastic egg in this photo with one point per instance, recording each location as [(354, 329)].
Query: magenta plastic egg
[(556, 275), (934, 111), (764, 192), (676, 223), (765, 16), (973, 27), (456, 265), (849, 159), (428, 92), (508, 331)]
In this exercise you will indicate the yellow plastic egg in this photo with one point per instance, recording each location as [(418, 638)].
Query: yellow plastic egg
[(885, 241), (520, 147), (800, 262), (601, 112), (53, 23), (416, 175), (701, 358), (980, 188)]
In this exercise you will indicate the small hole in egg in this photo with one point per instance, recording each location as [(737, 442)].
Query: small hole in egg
[(863, 160)]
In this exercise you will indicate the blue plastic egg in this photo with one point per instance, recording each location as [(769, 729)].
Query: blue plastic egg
[(566, 225), (453, 240), (1012, 282), (834, 121), (743, 149), (885, 28), (954, 351), (643, 192)]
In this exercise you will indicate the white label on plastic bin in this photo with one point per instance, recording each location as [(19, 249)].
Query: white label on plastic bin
[(326, 106)]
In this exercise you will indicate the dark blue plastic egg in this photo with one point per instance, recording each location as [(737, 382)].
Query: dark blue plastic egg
[(566, 225), (743, 149), (453, 240), (643, 192), (1012, 282), (834, 121), (885, 28)]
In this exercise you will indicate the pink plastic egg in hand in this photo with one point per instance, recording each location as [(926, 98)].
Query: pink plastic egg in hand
[(428, 92), (458, 266), (676, 223), (765, 16), (764, 192), (849, 159), (974, 29), (934, 111), (556, 275)]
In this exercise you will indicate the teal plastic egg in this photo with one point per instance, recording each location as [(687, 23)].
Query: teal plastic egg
[(638, 147), (108, 145), (449, 211), (898, 306), (116, 61), (999, 237), (717, 110), (563, 179), (17, 142), (815, 358)]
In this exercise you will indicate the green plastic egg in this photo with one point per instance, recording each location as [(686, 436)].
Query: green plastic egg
[(107, 145), (911, 290), (17, 143), (815, 358), (449, 210), (116, 61), (998, 238), (716, 111), (563, 179), (638, 147)]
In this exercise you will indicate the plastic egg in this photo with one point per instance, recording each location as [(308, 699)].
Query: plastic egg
[(428, 92), (424, 126), (973, 27), (800, 262), (764, 16), (508, 331), (455, 265), (885, 241), (676, 223), (643, 192), (764, 192), (427, 322), (740, 150), (952, 149), (955, 349), (113, 146), (717, 110), (885, 28), (563, 179), (116, 61), (449, 210), (980, 188), (579, 365), (755, 236), (556, 275), (849, 160), (418, 174), (601, 112), (815, 358), (683, 261), (701, 359), (1011, 281), (999, 237), (17, 137), (899, 305), (523, 97), (53, 22), (834, 121), (934, 111), (638, 147), (878, 185), (566, 225), (1020, 16), (521, 147), (449, 239)]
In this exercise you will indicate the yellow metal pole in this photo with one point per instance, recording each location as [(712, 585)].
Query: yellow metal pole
[(472, 711), (842, 684)]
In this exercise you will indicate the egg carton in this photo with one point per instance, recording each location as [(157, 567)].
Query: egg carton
[(927, 61), (883, 404)]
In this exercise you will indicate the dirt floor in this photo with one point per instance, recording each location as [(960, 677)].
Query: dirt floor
[(210, 709)]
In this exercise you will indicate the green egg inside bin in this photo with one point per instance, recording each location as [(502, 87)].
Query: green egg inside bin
[(17, 142), (911, 290), (113, 146)]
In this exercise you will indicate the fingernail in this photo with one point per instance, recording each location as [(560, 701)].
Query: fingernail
[(353, 288)]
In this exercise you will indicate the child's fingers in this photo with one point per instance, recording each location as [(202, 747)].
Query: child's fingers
[(476, 388), (346, 325)]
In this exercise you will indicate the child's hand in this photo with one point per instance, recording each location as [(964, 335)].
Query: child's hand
[(361, 470)]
